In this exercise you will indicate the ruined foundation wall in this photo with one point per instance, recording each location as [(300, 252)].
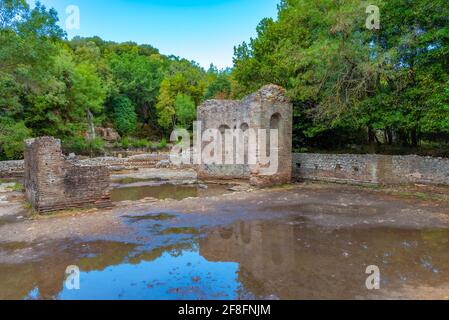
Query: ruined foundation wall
[(11, 169), (376, 169), (15, 169), (54, 183)]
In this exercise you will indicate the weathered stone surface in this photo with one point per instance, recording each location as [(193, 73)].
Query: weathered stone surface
[(108, 134), (376, 169), (15, 169), (11, 169), (255, 111), (130, 163), (53, 183)]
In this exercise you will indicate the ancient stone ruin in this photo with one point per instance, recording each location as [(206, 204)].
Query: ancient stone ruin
[(268, 108), (54, 183)]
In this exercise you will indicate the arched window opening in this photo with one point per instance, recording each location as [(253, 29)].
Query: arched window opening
[(275, 124)]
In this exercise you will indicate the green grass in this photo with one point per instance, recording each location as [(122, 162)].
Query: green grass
[(17, 187), (159, 217), (186, 230), (419, 195), (130, 180), (12, 246)]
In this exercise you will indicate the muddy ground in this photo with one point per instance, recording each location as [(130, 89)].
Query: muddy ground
[(304, 241)]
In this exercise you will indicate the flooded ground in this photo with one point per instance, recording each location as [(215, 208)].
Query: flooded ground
[(305, 242), (166, 191)]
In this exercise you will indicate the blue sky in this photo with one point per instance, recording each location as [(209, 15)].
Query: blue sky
[(202, 30)]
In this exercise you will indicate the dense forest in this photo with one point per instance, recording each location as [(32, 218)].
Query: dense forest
[(353, 89), (52, 86), (384, 90)]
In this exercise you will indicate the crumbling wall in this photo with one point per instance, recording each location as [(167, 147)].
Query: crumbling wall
[(375, 169), (15, 169), (11, 169), (54, 183), (255, 111)]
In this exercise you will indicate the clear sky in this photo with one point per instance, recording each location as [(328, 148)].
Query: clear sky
[(202, 30)]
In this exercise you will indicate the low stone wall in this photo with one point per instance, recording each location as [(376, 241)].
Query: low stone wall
[(11, 169), (15, 169), (133, 162), (375, 169)]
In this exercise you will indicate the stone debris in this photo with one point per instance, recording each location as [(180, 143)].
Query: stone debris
[(3, 200)]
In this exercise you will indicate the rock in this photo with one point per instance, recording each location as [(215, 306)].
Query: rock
[(6, 187), (203, 186), (3, 199), (163, 164), (108, 134)]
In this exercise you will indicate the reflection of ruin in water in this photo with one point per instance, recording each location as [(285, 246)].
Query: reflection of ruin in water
[(296, 261), (286, 259)]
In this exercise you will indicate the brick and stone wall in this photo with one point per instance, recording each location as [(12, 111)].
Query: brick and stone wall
[(11, 169), (129, 163), (15, 169), (54, 183), (255, 111), (375, 169)]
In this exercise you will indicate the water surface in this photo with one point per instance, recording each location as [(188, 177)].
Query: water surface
[(286, 258)]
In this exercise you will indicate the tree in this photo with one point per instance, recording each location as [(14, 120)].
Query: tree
[(349, 83), (220, 87), (139, 78), (51, 86), (125, 117), (185, 110), (183, 77), (12, 135), (166, 106)]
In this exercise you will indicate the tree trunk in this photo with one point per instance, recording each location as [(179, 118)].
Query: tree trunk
[(371, 140), (90, 123), (414, 137)]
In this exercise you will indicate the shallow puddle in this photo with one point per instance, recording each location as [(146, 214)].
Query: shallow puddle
[(274, 259), (167, 191)]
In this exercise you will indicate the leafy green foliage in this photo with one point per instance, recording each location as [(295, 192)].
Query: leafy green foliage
[(183, 78), (12, 136), (162, 144), (185, 110), (220, 85), (51, 86), (140, 143), (125, 117), (349, 84)]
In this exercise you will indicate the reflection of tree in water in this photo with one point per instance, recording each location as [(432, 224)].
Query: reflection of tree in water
[(48, 274), (292, 260)]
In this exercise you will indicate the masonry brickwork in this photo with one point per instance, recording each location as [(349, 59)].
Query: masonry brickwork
[(266, 109), (373, 169), (54, 183), (11, 169)]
